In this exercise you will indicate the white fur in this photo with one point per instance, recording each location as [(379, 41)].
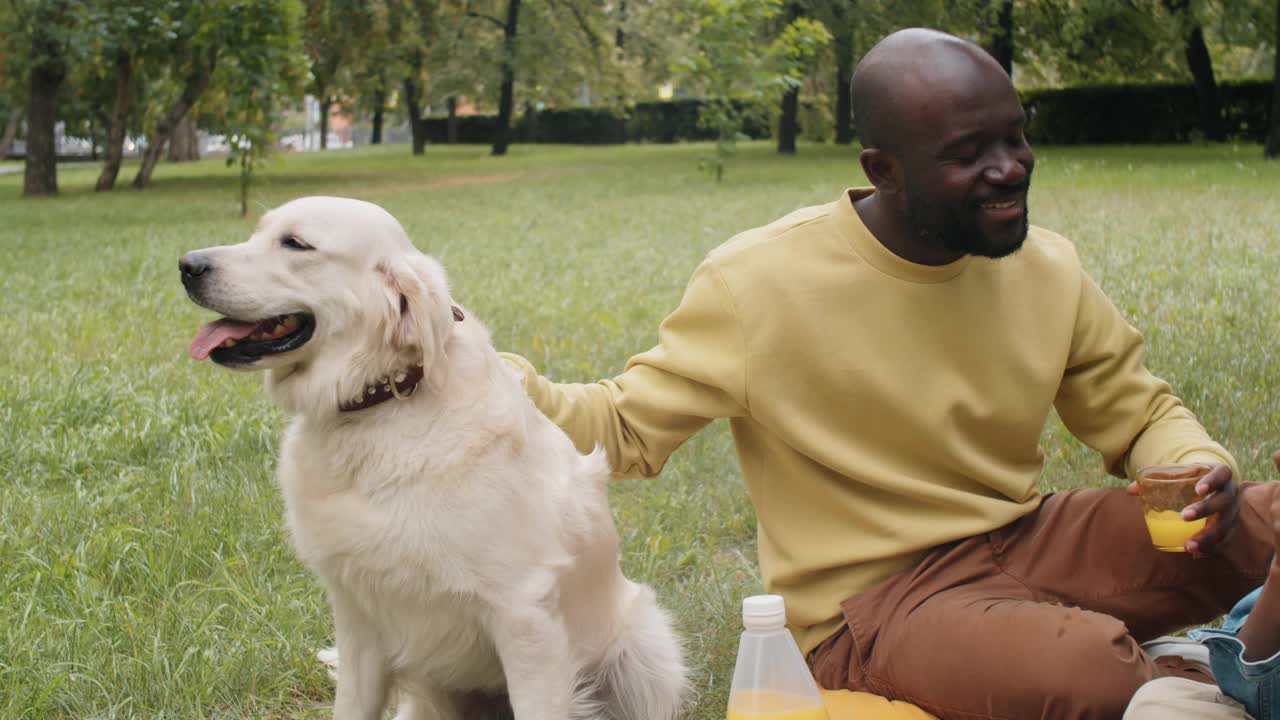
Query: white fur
[(463, 542)]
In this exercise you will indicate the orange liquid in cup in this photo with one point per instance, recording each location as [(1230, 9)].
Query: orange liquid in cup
[(1165, 491), (774, 705), (1169, 532)]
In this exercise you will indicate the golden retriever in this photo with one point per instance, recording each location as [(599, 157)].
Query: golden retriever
[(464, 544)]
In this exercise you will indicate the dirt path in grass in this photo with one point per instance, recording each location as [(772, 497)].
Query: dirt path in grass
[(440, 182)]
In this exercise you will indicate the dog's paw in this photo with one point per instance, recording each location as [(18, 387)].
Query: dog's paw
[(329, 656)]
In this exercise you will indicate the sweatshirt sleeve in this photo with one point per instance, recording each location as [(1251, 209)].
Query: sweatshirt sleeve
[(1111, 401), (695, 374)]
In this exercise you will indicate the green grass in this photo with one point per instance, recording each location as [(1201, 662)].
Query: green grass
[(144, 570)]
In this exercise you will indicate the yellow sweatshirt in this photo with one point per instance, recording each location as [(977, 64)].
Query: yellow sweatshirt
[(879, 407)]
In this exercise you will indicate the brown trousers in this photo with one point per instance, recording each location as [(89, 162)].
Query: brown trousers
[(1041, 618)]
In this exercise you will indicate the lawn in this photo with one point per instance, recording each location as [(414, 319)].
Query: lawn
[(144, 569)]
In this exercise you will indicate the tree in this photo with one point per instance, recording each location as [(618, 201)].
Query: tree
[(122, 36), (265, 73), (724, 58), (788, 123), (413, 104), (10, 131), (1272, 148), (204, 41), (52, 26), (327, 31), (1000, 37), (552, 50), (509, 27), (413, 32), (14, 49), (196, 33), (1201, 67), (837, 16)]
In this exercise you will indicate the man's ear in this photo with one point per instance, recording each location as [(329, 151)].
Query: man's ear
[(882, 170)]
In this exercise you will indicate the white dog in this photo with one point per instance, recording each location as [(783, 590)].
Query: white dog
[(464, 544)]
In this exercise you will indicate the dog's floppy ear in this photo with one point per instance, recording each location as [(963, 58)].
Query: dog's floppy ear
[(419, 313)]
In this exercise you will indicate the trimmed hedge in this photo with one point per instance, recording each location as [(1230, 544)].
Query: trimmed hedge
[(1165, 113), (1095, 114), (658, 122)]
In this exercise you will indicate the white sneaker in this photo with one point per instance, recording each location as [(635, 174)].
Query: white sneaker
[(1183, 647)]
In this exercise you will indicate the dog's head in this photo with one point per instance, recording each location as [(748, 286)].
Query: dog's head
[(327, 288)]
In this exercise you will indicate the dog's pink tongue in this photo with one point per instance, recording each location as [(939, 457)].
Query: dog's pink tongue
[(213, 334)]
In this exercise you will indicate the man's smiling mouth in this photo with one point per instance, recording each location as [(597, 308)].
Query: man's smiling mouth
[(1000, 205)]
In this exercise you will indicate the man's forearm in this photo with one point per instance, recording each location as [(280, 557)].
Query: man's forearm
[(1260, 633)]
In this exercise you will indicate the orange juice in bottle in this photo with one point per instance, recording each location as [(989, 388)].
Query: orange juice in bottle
[(771, 680), (774, 705)]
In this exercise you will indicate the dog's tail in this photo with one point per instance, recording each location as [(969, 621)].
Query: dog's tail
[(642, 675)]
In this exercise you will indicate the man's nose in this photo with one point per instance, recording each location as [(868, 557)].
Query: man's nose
[(193, 266), (1010, 168)]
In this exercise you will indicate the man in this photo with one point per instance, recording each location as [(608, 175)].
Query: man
[(887, 363), (1244, 653)]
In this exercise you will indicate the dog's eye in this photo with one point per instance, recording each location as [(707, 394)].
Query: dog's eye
[(293, 243)]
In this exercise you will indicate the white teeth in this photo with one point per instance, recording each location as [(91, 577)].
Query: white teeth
[(228, 343), (1000, 205), (291, 322)]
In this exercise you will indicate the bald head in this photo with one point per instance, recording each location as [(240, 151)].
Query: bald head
[(895, 81)]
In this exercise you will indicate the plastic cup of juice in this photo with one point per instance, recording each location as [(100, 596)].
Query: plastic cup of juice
[(1165, 490)]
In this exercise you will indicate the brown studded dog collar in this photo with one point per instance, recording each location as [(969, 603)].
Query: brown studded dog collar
[(401, 386)]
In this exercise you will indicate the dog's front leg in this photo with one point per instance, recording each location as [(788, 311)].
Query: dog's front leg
[(363, 675), (534, 649)]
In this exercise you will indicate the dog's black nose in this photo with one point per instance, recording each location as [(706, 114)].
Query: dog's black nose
[(192, 265)]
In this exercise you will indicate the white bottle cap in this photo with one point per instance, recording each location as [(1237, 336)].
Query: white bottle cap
[(764, 612)]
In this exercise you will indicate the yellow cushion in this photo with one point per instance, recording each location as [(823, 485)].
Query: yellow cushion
[(846, 705)]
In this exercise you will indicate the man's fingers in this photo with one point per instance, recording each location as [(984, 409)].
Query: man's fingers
[(1220, 500), (1207, 541), (1213, 481)]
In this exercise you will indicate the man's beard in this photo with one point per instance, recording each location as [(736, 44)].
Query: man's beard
[(958, 230)]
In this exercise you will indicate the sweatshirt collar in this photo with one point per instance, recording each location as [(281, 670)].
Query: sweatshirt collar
[(880, 257)]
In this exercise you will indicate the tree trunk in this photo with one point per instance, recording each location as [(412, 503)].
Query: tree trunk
[(417, 125), (1206, 86), (451, 125), (379, 105), (620, 35), (1201, 66), (195, 85), (507, 97), (531, 122), (844, 98), (48, 70), (787, 123), (10, 131), (1002, 35), (119, 124), (1272, 149), (326, 103), (184, 145)]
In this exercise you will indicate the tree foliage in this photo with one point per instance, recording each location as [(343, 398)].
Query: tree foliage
[(723, 59)]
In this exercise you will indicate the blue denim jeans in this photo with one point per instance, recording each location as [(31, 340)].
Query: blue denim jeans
[(1256, 685)]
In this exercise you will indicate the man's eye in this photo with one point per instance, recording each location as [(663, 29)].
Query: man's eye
[(293, 243)]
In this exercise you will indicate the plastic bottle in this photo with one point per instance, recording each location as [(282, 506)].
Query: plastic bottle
[(771, 680)]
